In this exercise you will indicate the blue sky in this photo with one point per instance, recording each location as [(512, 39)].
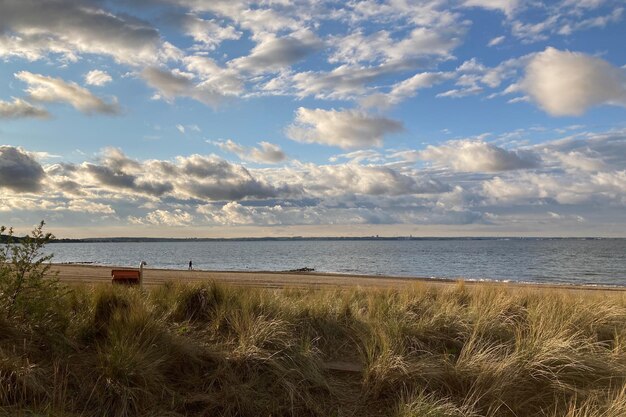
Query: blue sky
[(313, 117)]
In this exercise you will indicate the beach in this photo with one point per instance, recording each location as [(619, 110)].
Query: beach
[(98, 274)]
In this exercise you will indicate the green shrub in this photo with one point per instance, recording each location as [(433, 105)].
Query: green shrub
[(29, 293)]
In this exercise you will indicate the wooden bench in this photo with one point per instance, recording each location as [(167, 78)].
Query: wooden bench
[(125, 276)]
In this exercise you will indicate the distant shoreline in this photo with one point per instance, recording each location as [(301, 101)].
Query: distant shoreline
[(313, 239)]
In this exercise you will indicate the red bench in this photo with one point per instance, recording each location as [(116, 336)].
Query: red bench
[(125, 276)]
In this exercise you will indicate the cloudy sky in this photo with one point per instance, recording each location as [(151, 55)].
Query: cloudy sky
[(313, 117)]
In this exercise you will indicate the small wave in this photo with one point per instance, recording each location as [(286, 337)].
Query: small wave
[(77, 263)]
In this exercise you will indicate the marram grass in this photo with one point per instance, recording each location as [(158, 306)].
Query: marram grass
[(213, 350)]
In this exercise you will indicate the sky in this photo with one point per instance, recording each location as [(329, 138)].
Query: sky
[(232, 118)]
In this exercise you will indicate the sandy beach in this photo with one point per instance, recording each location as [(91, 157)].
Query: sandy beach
[(97, 274)]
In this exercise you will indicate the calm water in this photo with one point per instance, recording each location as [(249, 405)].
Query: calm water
[(533, 260)]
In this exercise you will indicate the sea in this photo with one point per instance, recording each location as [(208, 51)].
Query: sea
[(550, 261)]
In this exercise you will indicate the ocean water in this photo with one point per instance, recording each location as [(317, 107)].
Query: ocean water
[(560, 261)]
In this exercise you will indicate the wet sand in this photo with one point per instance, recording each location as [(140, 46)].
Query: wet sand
[(96, 274)]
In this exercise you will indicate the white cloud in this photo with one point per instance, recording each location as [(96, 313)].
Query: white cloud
[(526, 188), (273, 53), (564, 19), (461, 92), (359, 156), (208, 33), (211, 76), (364, 59), (237, 214), (55, 90), (353, 178), (587, 151), (234, 213), (257, 18), (266, 153), (381, 47), (231, 213), (496, 41), (534, 32), (19, 171), (172, 84), (33, 29), (508, 7), (611, 181), (425, 41), (205, 177), (204, 81), (567, 83), (87, 206), (18, 109), (584, 4), (406, 89), (522, 99), (593, 22), (188, 128), (478, 156), (169, 84), (25, 203), (531, 187), (176, 217), (356, 47), (347, 129), (472, 77), (34, 47), (97, 78), (343, 82), (580, 160)]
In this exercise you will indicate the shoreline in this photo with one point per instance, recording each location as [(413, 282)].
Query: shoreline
[(100, 274)]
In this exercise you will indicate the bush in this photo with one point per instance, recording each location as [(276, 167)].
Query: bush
[(29, 293)]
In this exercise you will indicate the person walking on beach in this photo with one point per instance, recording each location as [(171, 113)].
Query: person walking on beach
[(190, 265)]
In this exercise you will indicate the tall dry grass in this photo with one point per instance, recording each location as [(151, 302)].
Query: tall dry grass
[(213, 350)]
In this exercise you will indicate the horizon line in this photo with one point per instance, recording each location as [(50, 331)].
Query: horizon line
[(365, 237)]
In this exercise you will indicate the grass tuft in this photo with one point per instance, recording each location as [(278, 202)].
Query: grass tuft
[(199, 302)]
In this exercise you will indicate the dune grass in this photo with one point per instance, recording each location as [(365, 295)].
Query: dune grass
[(213, 350)]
